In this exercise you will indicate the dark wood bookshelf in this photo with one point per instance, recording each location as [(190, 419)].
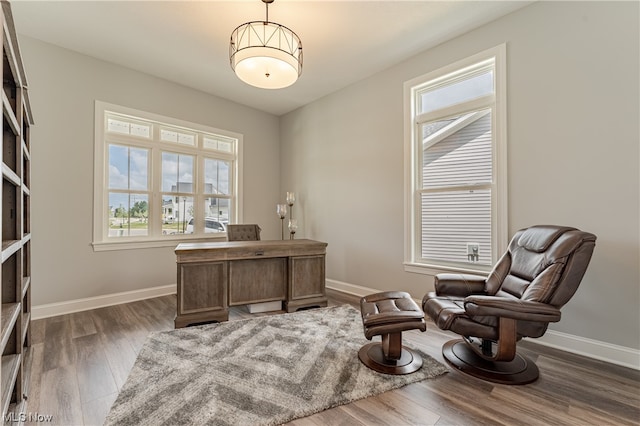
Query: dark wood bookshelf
[(15, 270)]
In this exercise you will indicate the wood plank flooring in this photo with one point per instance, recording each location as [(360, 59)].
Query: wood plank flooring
[(81, 360)]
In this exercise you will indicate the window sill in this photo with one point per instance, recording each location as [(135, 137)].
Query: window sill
[(144, 244), (426, 269)]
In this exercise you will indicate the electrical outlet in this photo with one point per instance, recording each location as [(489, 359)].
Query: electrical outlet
[(473, 252)]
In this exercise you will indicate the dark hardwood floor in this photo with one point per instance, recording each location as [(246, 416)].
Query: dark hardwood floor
[(81, 360)]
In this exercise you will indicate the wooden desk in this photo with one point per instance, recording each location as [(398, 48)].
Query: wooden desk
[(214, 276)]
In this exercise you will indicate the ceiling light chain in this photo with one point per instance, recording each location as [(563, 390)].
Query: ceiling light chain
[(272, 59), (266, 6)]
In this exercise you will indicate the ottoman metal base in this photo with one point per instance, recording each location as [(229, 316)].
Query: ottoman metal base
[(373, 357)]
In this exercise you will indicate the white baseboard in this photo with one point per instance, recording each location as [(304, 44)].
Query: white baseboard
[(603, 351), (61, 308), (352, 289)]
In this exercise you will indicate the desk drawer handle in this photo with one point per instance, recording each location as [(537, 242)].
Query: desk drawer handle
[(259, 252)]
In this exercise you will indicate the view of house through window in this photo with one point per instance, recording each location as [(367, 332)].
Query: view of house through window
[(161, 179), (456, 178)]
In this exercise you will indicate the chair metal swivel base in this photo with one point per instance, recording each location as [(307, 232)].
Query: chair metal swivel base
[(520, 371)]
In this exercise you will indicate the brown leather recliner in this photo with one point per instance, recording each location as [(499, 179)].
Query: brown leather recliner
[(539, 273)]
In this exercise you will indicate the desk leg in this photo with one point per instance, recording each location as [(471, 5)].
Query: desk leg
[(201, 318)]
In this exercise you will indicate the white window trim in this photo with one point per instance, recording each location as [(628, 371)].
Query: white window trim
[(499, 203), (100, 182)]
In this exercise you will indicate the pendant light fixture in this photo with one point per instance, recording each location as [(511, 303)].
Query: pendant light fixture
[(266, 54)]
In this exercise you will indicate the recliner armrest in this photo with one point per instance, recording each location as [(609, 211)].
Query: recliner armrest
[(511, 308), (459, 284)]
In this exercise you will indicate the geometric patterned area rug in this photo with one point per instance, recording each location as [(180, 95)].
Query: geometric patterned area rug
[(261, 371)]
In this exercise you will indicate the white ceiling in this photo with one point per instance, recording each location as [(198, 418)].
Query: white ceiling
[(188, 41)]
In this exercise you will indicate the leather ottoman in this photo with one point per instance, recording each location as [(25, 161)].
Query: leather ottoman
[(388, 314)]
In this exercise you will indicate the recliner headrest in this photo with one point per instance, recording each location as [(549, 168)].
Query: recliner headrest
[(538, 238)]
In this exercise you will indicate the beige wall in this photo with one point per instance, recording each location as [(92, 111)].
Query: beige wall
[(63, 86), (573, 150), (573, 134)]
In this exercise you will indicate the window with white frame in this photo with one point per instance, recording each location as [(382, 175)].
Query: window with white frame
[(456, 213), (158, 179)]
